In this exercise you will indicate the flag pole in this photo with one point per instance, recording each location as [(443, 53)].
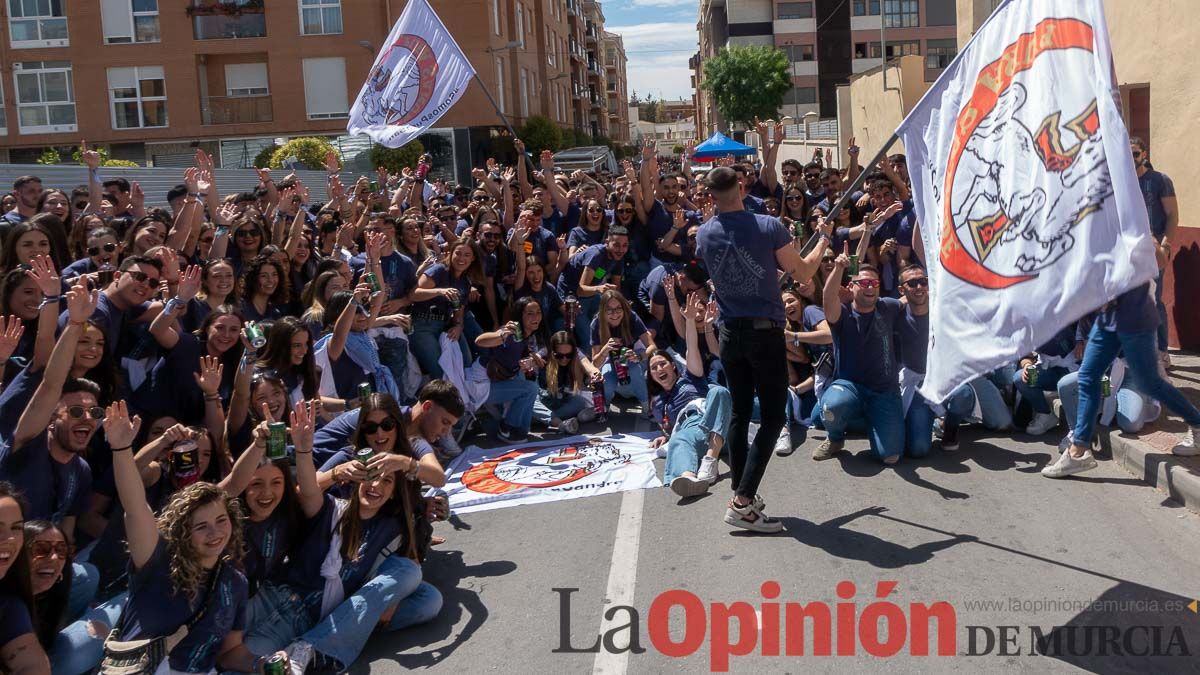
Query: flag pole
[(498, 111)]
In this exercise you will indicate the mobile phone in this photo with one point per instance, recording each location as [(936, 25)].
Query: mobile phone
[(373, 186)]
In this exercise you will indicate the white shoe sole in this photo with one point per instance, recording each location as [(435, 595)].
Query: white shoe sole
[(687, 486), (1071, 471), (1185, 451), (735, 519)]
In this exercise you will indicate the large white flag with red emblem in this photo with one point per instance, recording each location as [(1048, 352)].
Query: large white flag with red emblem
[(1025, 188), (420, 73)]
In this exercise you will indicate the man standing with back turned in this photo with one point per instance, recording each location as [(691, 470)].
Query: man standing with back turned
[(742, 252)]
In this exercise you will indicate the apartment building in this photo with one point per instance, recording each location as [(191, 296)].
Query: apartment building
[(826, 42), (617, 87), (152, 80)]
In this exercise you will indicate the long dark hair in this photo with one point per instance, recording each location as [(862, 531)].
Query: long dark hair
[(231, 357), (277, 354), (17, 581), (51, 605), (105, 373), (248, 284), (516, 313), (406, 494), (46, 223)]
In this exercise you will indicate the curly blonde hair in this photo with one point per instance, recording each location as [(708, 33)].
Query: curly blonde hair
[(174, 525)]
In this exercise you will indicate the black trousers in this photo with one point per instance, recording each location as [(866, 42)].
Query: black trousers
[(755, 364)]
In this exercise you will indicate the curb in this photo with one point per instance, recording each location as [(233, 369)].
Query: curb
[(1162, 470)]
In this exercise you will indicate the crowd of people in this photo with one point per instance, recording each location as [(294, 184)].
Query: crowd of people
[(224, 423)]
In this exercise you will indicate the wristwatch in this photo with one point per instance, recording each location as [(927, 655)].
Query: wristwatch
[(796, 340)]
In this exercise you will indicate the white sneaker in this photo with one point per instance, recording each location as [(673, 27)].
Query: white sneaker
[(689, 486), (1069, 465), (569, 426), (1186, 447), (783, 446), (300, 655), (1042, 422), (708, 469), (750, 517), (448, 446), (661, 451)]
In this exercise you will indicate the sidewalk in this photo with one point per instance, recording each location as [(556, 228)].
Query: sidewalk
[(1147, 455)]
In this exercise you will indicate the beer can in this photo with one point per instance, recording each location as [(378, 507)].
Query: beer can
[(106, 274), (364, 392), (185, 463), (599, 405), (276, 665), (254, 335), (572, 311), (1031, 375), (277, 441), (853, 268), (519, 333), (1105, 386), (364, 455), (373, 281)]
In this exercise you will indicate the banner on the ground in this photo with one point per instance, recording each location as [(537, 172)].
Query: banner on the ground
[(547, 471), (1024, 186), (419, 74)]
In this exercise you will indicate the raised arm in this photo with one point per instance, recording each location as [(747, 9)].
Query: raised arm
[(557, 194), (649, 174), (522, 167), (803, 267), (345, 320), (693, 316), (243, 469), (141, 530), (302, 424), (770, 153), (830, 300), (43, 274)]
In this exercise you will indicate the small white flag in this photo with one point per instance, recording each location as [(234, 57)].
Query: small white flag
[(1024, 185), (420, 73)]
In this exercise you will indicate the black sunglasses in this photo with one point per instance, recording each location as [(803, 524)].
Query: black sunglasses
[(490, 235), (795, 198), (564, 357), (595, 210), (371, 428), (77, 411), (108, 248), (142, 277), (483, 198), (249, 234), (625, 211), (917, 283)]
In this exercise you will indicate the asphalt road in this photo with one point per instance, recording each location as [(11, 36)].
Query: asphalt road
[(1108, 560)]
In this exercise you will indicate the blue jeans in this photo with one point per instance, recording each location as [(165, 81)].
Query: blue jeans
[(522, 394), (589, 307), (636, 389), (689, 440), (343, 634), (277, 615), (85, 581), (393, 354), (1141, 355), (1131, 407), (77, 649), (1163, 330), (961, 404), (918, 427), (1047, 381), (547, 406), (881, 412), (426, 346)]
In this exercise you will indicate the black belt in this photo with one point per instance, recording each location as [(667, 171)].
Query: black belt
[(431, 316), (752, 324)]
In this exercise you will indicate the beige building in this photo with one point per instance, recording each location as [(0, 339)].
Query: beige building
[(617, 87)]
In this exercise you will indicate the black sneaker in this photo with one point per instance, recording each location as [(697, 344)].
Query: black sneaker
[(950, 437), (505, 432)]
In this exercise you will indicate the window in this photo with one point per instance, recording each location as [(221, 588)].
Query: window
[(45, 96), (138, 96), (524, 93), (901, 13), (939, 53), (320, 17), (794, 10), (909, 47), (496, 16), (866, 7), (500, 84), (800, 96), (325, 88), (37, 23), (799, 52), (551, 44), (246, 79), (520, 24), (867, 50), (3, 115), (129, 21)]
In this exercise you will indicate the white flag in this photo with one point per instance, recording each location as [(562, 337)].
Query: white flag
[(420, 73), (1024, 186)]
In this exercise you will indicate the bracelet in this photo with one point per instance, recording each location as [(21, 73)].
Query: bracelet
[(122, 449), (77, 323), (46, 300), (301, 452), (194, 195), (411, 474), (212, 397)]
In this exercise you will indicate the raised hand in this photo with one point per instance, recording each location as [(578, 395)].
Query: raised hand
[(761, 128), (478, 174), (780, 132), (518, 145), (853, 149), (189, 283), (332, 165), (81, 303), (11, 330), (90, 157), (41, 270), (264, 175), (509, 175), (375, 241), (136, 196), (303, 422), (547, 162), (843, 260), (119, 428), (209, 377), (191, 178), (362, 292)]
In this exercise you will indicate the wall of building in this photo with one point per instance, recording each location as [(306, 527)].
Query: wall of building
[(876, 111)]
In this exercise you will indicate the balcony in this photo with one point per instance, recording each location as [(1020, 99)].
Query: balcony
[(596, 100), (228, 20), (591, 33), (572, 7), (235, 109), (577, 89)]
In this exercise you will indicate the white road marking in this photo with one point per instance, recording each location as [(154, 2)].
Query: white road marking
[(622, 578)]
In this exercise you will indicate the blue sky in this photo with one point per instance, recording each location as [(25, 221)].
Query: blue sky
[(660, 37)]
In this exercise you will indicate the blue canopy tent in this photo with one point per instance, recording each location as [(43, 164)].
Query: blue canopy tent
[(719, 145)]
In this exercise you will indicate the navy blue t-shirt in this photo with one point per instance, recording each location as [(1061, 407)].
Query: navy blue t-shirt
[(812, 317), (1133, 311), (1155, 186), (78, 268), (739, 252), (864, 345), (15, 398), (1062, 343), (118, 334), (508, 354), (14, 619), (302, 570), (660, 223), (755, 205), (334, 436), (156, 609), (540, 243), (604, 267), (637, 328), (399, 272), (267, 543), (651, 290), (669, 404), (442, 279), (53, 490), (547, 298), (581, 236), (912, 339)]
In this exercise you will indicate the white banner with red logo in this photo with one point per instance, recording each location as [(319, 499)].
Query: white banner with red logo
[(548, 471), (1025, 189), (419, 74)]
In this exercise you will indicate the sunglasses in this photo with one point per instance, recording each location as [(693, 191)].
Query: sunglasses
[(79, 206), (41, 550), (371, 428), (77, 412), (108, 248), (483, 198), (143, 278), (625, 211), (595, 210), (867, 283), (917, 283), (249, 234), (490, 235), (564, 357), (795, 198), (790, 174), (1137, 155), (812, 176)]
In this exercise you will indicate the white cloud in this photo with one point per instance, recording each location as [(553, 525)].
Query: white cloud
[(658, 57)]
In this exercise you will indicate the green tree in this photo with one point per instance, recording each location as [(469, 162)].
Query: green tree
[(540, 133), (395, 159), (263, 159), (678, 149), (49, 156), (747, 82), (309, 151)]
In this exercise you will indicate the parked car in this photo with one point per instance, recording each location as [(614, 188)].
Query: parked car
[(588, 158)]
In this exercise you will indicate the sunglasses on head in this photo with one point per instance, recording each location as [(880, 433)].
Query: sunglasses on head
[(41, 550), (77, 412), (142, 277), (867, 283), (107, 248), (370, 428), (917, 283)]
